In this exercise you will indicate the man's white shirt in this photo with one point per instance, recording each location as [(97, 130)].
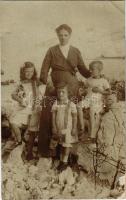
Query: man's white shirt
[(65, 50)]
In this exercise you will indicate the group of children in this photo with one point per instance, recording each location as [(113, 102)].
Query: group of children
[(65, 114)]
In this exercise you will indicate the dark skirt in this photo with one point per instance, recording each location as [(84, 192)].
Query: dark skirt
[(68, 78), (45, 132)]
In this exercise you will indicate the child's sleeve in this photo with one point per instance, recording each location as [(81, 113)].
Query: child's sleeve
[(106, 84), (54, 107), (15, 92)]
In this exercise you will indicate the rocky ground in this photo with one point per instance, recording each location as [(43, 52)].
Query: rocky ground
[(40, 180)]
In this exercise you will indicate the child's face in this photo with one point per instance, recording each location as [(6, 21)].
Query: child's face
[(111, 99), (29, 72), (95, 72), (62, 94)]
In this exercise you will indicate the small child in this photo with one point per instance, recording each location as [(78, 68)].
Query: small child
[(96, 87), (64, 124), (26, 94), (111, 139)]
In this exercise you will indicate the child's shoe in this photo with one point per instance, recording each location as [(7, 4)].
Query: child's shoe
[(62, 166), (18, 143), (29, 157)]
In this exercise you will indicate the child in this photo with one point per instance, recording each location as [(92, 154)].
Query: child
[(111, 140), (96, 87), (26, 94), (64, 124)]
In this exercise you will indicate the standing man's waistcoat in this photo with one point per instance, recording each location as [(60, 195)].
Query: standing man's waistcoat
[(55, 59)]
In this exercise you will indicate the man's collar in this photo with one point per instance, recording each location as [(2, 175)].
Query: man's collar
[(64, 46)]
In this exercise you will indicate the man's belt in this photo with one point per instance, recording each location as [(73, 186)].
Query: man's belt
[(65, 70)]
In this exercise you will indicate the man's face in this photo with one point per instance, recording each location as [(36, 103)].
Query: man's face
[(64, 37)]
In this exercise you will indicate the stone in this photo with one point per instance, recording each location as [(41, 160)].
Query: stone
[(9, 145), (122, 196), (103, 193), (122, 180), (20, 194), (45, 194), (10, 186), (115, 193), (44, 164), (44, 184), (85, 189), (85, 156), (15, 156), (33, 170), (54, 192), (67, 177)]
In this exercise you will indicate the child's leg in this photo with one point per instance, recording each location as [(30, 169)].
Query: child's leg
[(93, 124), (94, 120), (17, 132), (98, 117), (31, 140), (81, 121), (65, 151), (65, 154)]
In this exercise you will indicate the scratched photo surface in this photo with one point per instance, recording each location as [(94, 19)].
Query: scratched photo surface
[(62, 99)]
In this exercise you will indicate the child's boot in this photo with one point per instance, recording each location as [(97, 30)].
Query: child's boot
[(62, 166), (30, 146)]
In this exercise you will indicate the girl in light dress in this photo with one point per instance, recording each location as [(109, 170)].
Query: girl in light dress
[(28, 94), (64, 124)]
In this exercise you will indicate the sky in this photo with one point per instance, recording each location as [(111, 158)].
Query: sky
[(27, 30)]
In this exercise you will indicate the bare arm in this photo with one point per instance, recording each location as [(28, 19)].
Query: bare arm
[(81, 66), (15, 96), (74, 120), (74, 123), (81, 118), (98, 90)]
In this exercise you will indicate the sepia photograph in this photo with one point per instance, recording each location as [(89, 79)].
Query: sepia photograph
[(63, 128)]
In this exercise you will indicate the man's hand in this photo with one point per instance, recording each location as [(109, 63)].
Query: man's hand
[(79, 77), (42, 89)]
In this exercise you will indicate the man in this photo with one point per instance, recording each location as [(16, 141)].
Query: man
[(66, 63)]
